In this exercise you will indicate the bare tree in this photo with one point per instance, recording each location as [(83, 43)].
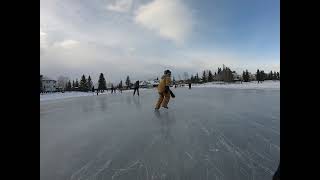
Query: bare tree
[(62, 81), (186, 76)]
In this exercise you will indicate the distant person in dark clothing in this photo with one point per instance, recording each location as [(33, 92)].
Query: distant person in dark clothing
[(276, 175), (112, 88), (136, 88), (189, 85)]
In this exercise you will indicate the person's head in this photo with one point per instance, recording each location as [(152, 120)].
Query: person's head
[(167, 72)]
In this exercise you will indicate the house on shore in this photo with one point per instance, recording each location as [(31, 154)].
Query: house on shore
[(48, 84)]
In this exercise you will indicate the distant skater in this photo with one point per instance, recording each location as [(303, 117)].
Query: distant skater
[(136, 88), (112, 88), (189, 85)]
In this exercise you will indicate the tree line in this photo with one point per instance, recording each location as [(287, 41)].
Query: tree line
[(222, 74), (86, 85), (227, 75)]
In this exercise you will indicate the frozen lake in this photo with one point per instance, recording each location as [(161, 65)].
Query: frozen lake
[(207, 133)]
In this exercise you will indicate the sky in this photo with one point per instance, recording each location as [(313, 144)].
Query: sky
[(142, 38)]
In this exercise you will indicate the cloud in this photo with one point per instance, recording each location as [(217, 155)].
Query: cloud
[(43, 39), (120, 6), (171, 19), (67, 43)]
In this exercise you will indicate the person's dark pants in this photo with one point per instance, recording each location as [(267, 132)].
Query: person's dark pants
[(136, 89)]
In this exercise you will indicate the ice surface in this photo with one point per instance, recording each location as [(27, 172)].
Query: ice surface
[(207, 133)]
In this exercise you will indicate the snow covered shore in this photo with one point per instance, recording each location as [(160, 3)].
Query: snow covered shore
[(244, 85)]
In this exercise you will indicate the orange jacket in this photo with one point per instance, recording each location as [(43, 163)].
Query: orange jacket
[(165, 81)]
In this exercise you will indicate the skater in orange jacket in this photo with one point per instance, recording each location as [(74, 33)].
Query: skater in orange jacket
[(164, 91)]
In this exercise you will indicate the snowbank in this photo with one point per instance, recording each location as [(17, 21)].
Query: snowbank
[(244, 85), (59, 95)]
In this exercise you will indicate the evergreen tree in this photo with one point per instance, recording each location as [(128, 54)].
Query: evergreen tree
[(41, 89), (102, 84), (69, 87), (219, 70), (128, 82), (66, 86), (270, 76), (92, 89), (210, 76), (243, 76), (120, 84), (73, 85), (263, 76), (204, 77), (83, 84), (192, 79), (246, 76), (258, 76), (228, 76), (89, 83), (76, 85), (274, 76)]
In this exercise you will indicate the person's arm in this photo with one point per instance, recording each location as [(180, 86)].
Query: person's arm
[(167, 84), (172, 95), (166, 89)]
